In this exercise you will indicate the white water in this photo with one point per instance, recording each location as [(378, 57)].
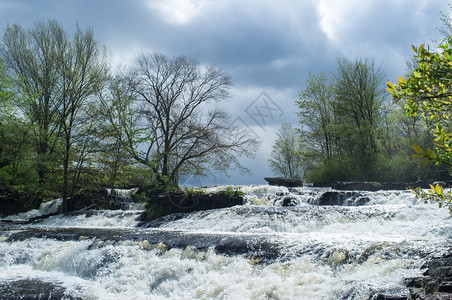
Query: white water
[(322, 252), (45, 208)]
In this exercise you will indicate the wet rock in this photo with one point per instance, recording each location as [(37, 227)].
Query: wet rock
[(374, 186), (16, 200), (394, 294), (415, 282), (437, 280), (436, 296), (341, 198), (249, 245), (446, 287), (283, 181), (289, 201), (33, 289), (180, 202)]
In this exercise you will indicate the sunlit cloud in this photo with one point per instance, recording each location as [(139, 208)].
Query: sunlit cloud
[(177, 11), (328, 22)]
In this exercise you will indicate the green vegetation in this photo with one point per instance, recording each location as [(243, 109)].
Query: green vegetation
[(285, 156), (233, 192), (68, 123), (192, 191), (350, 130), (428, 95)]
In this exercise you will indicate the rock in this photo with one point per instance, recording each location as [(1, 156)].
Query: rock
[(289, 201), (373, 186), (437, 296), (415, 282), (437, 281), (283, 181), (33, 289), (446, 287), (179, 202), (14, 200), (341, 198)]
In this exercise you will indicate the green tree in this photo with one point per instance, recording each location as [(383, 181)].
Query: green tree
[(316, 116), (83, 70), (118, 133), (285, 157), (57, 76), (32, 57), (341, 121), (358, 106), (428, 94), (14, 145)]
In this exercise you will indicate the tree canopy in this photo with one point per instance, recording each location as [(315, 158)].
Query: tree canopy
[(427, 93), (285, 158)]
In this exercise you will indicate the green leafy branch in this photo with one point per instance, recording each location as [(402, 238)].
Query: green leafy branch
[(435, 194)]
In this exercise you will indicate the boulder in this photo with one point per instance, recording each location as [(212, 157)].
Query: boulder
[(287, 182), (373, 186), (180, 202), (437, 280), (341, 198), (289, 201)]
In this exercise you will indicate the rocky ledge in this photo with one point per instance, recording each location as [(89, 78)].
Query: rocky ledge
[(377, 186), (180, 201), (287, 182), (436, 284), (355, 185)]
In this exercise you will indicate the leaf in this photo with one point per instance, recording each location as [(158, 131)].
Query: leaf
[(421, 47), (430, 154), (402, 81), (417, 74), (417, 148), (414, 48), (390, 85)]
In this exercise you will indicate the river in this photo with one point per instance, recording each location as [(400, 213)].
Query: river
[(259, 250)]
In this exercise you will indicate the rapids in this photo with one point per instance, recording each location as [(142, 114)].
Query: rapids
[(260, 250)]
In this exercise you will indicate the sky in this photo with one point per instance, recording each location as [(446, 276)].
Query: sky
[(268, 47)]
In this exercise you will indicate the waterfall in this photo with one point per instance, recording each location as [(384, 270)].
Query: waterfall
[(283, 243), (123, 197), (46, 208)]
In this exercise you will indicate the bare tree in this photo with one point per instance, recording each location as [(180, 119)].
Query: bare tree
[(186, 132)]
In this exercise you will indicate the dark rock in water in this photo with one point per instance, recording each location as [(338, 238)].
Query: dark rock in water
[(375, 186), (341, 198), (283, 181), (437, 281), (415, 282), (289, 201), (393, 294), (435, 296), (33, 289), (180, 202), (15, 200), (445, 287)]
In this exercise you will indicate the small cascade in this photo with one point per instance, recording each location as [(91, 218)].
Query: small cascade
[(46, 208), (123, 197)]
